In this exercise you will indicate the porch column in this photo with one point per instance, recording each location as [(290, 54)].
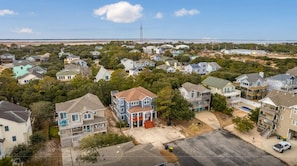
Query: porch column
[(131, 120), (143, 117), (152, 116), (137, 119)]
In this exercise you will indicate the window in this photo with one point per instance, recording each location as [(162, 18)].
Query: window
[(121, 102), (192, 94), (146, 101), (294, 111), (294, 122), (134, 103), (13, 138), (87, 116), (74, 118), (63, 115), (6, 128)]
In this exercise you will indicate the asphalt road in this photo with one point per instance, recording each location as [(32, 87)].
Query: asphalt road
[(221, 148)]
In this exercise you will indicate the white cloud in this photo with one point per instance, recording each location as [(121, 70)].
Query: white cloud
[(184, 12), (6, 12), (159, 15), (121, 12), (24, 30)]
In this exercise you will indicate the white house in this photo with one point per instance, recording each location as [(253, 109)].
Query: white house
[(15, 126), (128, 63), (199, 68), (212, 66), (282, 82), (103, 74)]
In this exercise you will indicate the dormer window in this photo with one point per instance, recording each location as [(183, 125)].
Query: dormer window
[(146, 101), (87, 115)]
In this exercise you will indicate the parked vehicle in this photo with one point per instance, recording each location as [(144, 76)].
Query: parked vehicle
[(282, 146)]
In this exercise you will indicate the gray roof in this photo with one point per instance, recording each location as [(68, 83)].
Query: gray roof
[(280, 77), (252, 77), (101, 73), (281, 98), (214, 65), (293, 71), (189, 87), (128, 154), (67, 72), (86, 102), (215, 82), (195, 65), (13, 112)]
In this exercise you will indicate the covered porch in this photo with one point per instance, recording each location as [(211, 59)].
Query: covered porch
[(138, 116)]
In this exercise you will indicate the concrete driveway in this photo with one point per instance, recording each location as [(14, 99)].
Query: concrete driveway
[(156, 135), (209, 118), (220, 147)]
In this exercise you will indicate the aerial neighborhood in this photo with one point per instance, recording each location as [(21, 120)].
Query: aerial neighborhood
[(123, 102)]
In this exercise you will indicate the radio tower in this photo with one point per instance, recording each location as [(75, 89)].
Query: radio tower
[(141, 37)]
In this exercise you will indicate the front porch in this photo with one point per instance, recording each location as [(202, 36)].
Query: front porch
[(138, 117)]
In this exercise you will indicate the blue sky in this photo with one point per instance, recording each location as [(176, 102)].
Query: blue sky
[(165, 19)]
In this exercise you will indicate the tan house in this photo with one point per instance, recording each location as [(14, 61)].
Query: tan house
[(80, 117), (15, 126), (278, 115), (197, 95)]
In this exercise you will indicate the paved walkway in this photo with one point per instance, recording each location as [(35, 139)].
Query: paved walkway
[(209, 118)]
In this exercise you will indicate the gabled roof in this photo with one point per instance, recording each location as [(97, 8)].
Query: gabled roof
[(252, 77), (195, 66), (215, 82), (13, 112), (135, 94), (189, 87), (101, 73), (127, 154), (85, 103), (67, 73), (214, 65), (281, 98), (293, 71)]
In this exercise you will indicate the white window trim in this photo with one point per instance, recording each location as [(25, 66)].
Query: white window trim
[(61, 116), (87, 117), (76, 120)]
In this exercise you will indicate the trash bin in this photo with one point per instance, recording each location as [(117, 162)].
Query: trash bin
[(166, 146)]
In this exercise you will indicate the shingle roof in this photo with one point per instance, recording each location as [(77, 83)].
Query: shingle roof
[(189, 87), (282, 98), (135, 94), (280, 77), (252, 77), (215, 82), (13, 112), (127, 154), (293, 71), (84, 103), (140, 109), (67, 72)]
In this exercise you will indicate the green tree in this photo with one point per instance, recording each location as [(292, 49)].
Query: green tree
[(41, 111), (243, 124), (218, 102), (21, 153), (164, 101), (37, 139), (254, 115), (6, 161)]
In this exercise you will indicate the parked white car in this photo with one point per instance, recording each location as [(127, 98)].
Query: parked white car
[(282, 146)]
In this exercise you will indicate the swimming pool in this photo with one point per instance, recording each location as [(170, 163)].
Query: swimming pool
[(246, 108)]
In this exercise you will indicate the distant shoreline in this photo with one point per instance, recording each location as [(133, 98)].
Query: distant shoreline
[(102, 41)]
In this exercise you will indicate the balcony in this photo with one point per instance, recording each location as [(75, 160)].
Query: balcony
[(268, 110), (63, 122)]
